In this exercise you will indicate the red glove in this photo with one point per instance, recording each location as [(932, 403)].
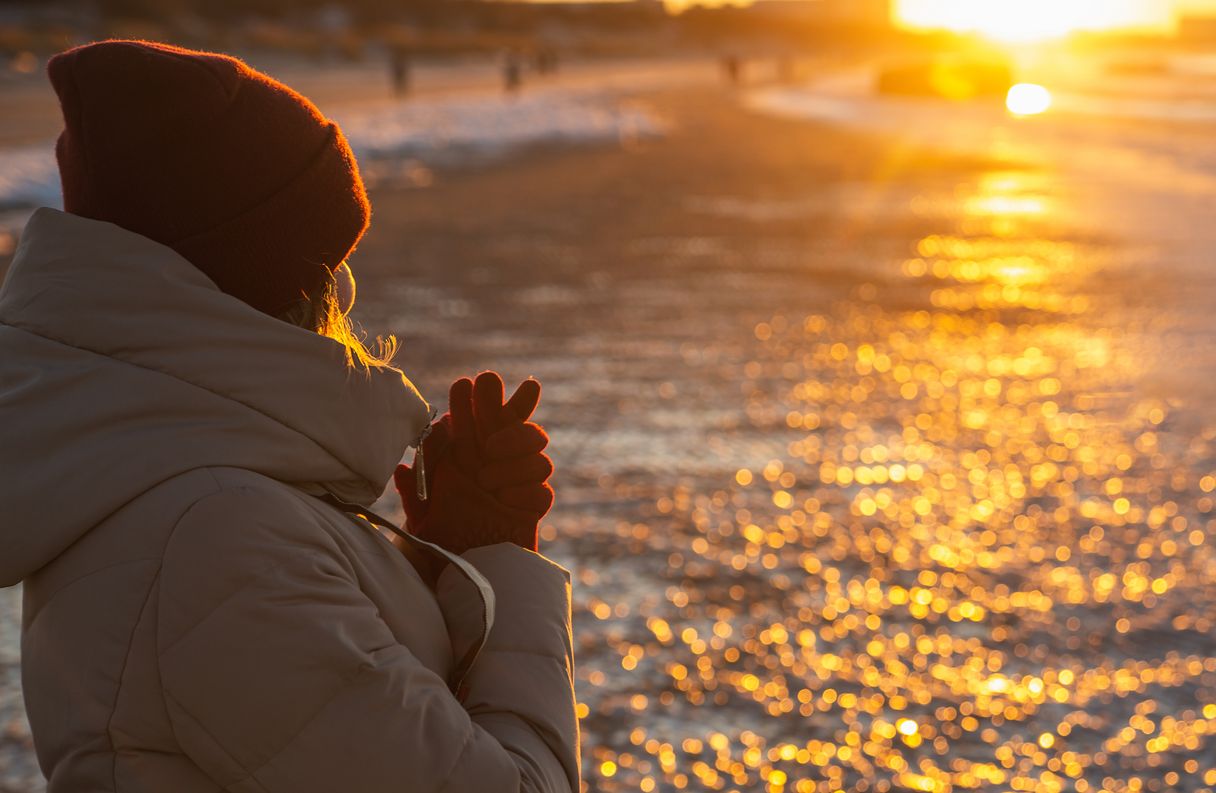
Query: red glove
[(485, 470), (514, 467)]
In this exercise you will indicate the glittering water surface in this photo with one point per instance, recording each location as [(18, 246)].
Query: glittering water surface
[(977, 563), (922, 529)]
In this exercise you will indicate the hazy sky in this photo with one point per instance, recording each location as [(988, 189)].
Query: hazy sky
[(1200, 5), (1045, 17)]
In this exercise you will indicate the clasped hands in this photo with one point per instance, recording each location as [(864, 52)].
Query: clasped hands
[(485, 469)]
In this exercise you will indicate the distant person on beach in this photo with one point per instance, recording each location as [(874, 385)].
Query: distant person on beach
[(192, 437), (732, 68), (399, 70), (512, 72)]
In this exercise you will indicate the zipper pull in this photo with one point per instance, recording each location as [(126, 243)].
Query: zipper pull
[(420, 459), (420, 474)]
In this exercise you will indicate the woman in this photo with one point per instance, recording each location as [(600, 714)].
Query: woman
[(190, 437)]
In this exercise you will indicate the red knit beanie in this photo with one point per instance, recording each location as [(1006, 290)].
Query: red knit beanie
[(232, 169)]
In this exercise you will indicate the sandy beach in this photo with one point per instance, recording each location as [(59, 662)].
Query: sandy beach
[(879, 467)]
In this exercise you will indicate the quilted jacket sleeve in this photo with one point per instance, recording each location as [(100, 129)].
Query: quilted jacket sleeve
[(280, 676), (522, 686)]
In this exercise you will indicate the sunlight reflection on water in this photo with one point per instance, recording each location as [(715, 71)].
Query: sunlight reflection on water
[(982, 561)]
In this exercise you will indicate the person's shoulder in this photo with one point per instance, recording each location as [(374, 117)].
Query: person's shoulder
[(248, 546)]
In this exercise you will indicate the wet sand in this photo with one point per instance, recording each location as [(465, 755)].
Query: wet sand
[(858, 470)]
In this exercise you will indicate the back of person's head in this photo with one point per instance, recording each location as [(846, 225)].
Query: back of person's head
[(238, 173)]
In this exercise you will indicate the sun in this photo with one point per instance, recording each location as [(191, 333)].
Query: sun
[(1028, 99), (1032, 20)]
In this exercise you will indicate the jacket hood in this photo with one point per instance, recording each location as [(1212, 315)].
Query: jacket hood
[(123, 365)]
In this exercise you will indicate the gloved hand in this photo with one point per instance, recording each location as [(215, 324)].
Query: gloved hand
[(514, 467), (485, 470)]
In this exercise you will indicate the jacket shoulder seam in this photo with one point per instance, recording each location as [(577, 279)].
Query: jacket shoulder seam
[(152, 586), (118, 509), (161, 651), (122, 673), (85, 577), (345, 680)]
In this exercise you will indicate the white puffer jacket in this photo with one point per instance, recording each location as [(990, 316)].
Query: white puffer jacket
[(195, 620)]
